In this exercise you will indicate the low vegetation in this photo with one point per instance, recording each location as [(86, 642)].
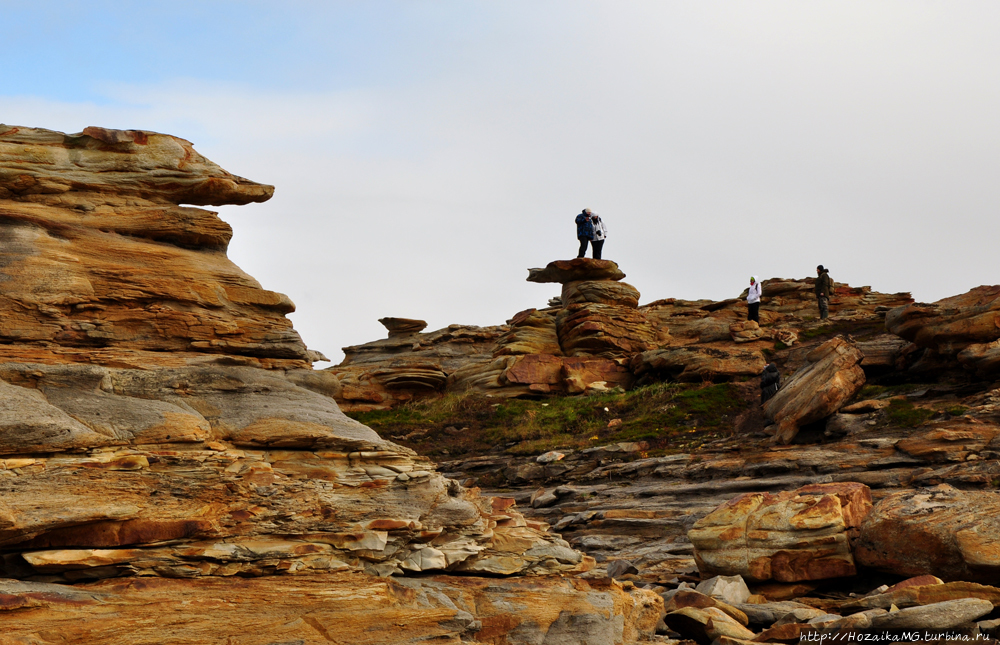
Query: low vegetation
[(669, 417)]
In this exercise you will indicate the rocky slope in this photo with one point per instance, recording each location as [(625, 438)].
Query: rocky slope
[(893, 401), (173, 470)]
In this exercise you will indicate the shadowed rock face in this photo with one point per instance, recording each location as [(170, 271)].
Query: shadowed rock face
[(159, 419)]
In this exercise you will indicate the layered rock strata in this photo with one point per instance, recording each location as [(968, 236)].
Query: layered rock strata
[(162, 433), (831, 378)]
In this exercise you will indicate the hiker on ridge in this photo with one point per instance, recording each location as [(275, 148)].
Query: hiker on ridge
[(753, 300), (584, 231), (600, 232), (823, 288)]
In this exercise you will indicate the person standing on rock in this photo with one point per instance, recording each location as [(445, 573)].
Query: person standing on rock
[(770, 381), (600, 232), (753, 300), (824, 287), (584, 231)]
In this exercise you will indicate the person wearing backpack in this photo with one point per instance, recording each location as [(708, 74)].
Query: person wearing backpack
[(584, 231), (823, 289), (753, 300), (600, 232)]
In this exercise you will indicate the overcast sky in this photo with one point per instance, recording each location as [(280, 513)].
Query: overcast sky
[(425, 154)]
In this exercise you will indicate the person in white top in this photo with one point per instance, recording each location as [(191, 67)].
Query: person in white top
[(753, 300), (600, 232)]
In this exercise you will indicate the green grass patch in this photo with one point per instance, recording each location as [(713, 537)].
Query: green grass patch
[(668, 416), (904, 414)]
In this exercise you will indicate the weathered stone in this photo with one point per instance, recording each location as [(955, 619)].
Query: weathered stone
[(403, 326), (531, 332), (605, 292), (695, 363), (576, 269), (952, 324), (953, 441), (592, 329), (705, 625), (819, 389), (942, 531), (768, 613), (690, 598), (791, 536), (940, 615), (745, 331), (923, 595), (336, 606)]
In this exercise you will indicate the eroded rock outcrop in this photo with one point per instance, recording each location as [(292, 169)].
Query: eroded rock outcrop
[(964, 327), (159, 420)]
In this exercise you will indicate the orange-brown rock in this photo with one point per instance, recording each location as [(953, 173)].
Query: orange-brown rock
[(101, 254), (543, 373), (831, 378), (696, 363), (331, 608), (531, 332), (160, 430), (790, 536), (970, 321), (565, 271), (954, 441), (940, 531), (926, 594), (403, 326), (604, 292), (603, 330)]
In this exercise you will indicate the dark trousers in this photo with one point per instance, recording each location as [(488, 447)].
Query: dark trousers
[(597, 245), (753, 311), (583, 247)]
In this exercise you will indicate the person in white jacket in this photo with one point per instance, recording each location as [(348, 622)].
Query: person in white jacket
[(600, 232), (753, 300)]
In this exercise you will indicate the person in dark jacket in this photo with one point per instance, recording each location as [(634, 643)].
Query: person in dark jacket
[(584, 231), (823, 288), (770, 381)]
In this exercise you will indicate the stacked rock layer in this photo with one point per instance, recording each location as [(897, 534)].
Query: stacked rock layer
[(159, 419)]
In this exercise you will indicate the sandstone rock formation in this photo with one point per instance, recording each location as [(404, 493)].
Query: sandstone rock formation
[(941, 531), (831, 378), (798, 535), (166, 447)]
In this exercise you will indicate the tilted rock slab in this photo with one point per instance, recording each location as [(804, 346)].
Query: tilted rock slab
[(941, 531), (832, 377), (694, 363), (922, 595), (788, 537), (965, 326)]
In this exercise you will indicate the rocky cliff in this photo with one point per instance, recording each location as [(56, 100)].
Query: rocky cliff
[(173, 470)]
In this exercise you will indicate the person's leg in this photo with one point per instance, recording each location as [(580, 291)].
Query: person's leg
[(824, 307), (753, 312), (598, 245), (583, 247)]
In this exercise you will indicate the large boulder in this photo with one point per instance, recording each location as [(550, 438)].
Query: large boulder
[(831, 378), (941, 531), (695, 363), (788, 537)]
